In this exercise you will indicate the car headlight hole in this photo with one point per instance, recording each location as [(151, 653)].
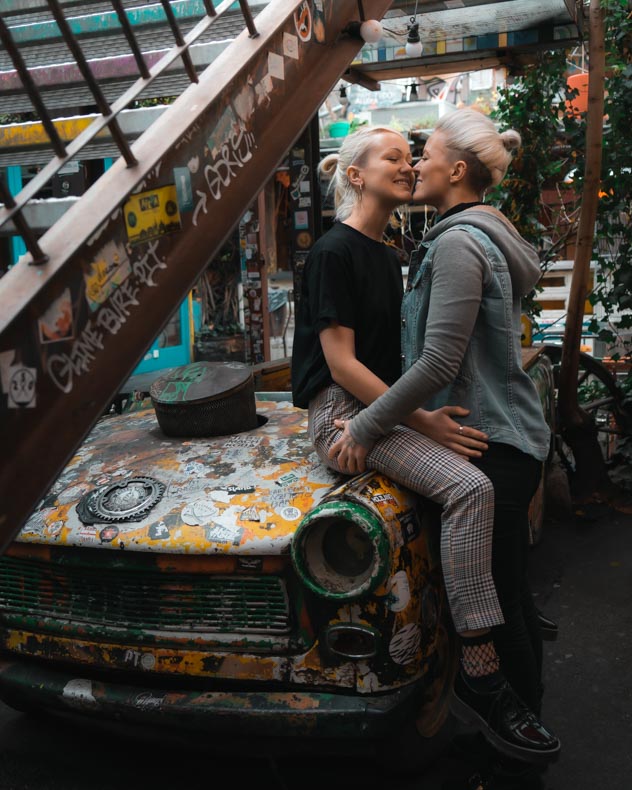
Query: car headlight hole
[(341, 550)]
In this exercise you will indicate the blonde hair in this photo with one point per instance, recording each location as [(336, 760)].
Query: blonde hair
[(353, 151), (474, 137)]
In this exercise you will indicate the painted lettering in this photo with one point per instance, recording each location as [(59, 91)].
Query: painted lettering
[(232, 156), (148, 265), (62, 367)]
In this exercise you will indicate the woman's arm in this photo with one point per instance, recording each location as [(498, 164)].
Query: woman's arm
[(457, 283), (338, 344)]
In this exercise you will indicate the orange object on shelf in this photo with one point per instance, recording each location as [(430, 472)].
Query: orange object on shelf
[(579, 104)]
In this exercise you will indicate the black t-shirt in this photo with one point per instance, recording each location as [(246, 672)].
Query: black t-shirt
[(356, 282)]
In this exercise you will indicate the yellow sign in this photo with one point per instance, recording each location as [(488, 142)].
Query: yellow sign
[(151, 214)]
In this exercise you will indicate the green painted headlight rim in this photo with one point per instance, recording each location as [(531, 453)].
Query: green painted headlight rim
[(363, 517)]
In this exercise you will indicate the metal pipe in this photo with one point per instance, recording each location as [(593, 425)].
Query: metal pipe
[(186, 55), (131, 38), (250, 22), (22, 226), (101, 101), (31, 88)]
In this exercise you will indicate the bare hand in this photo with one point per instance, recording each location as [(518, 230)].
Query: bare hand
[(440, 426), (348, 454)]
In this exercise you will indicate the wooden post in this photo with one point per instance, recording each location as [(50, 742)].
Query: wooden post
[(578, 427)]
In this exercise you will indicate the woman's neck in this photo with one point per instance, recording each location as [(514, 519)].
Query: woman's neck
[(369, 220), (452, 200)]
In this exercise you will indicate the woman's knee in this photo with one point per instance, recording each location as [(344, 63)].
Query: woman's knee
[(473, 488)]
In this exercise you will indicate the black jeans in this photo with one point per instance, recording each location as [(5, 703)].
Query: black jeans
[(515, 477)]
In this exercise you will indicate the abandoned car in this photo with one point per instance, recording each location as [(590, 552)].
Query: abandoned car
[(228, 581)]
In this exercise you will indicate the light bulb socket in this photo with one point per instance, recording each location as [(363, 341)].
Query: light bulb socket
[(413, 34), (352, 29)]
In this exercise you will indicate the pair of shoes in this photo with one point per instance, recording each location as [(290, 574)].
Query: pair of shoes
[(505, 721), (548, 628)]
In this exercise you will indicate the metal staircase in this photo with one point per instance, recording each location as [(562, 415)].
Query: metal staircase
[(77, 312)]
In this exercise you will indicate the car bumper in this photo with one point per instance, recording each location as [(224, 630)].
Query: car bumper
[(286, 714)]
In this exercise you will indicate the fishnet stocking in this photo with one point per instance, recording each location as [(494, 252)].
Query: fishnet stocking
[(479, 660)]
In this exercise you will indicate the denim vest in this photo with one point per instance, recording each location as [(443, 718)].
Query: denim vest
[(491, 383)]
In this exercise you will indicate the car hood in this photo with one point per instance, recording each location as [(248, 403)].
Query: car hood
[(244, 493)]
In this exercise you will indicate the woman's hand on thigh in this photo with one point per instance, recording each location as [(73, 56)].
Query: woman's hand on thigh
[(348, 454), (440, 426)]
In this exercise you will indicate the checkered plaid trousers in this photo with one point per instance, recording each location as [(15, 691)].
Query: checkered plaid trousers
[(465, 494)]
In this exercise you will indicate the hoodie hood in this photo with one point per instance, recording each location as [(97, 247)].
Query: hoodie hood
[(521, 257)]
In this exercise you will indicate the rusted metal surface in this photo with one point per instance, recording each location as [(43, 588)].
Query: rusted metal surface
[(270, 473), (239, 494), (290, 714), (217, 145)]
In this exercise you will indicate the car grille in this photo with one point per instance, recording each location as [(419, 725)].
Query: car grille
[(147, 599)]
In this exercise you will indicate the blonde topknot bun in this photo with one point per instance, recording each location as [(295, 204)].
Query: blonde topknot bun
[(511, 139), (328, 165)]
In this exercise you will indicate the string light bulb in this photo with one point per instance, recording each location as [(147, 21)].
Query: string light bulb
[(371, 31), (414, 96), (414, 47), (343, 92)]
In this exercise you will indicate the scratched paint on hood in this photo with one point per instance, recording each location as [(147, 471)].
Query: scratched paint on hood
[(243, 493)]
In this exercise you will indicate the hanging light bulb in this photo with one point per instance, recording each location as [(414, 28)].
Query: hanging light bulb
[(413, 92), (371, 31), (414, 47), (343, 92)]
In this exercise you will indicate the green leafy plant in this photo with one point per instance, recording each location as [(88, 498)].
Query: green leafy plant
[(613, 243), (534, 105)]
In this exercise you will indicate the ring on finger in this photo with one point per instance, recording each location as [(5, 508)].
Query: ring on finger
[(461, 430)]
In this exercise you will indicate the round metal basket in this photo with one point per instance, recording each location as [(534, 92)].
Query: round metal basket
[(205, 399)]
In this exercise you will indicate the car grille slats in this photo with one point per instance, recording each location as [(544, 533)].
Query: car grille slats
[(159, 601)]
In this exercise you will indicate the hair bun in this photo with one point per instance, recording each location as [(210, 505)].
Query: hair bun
[(327, 166), (511, 139)]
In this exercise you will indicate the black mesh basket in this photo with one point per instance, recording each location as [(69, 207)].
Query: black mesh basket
[(205, 399)]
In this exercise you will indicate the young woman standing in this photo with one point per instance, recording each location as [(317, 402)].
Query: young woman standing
[(462, 344), (346, 354)]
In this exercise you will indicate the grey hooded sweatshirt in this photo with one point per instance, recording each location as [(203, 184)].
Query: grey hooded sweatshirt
[(461, 334)]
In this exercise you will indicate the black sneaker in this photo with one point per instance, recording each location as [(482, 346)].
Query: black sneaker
[(505, 722)]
